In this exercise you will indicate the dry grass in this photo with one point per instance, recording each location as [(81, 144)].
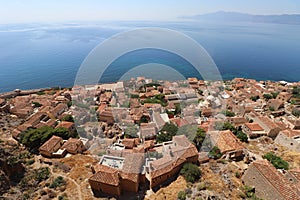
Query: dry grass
[(80, 172), (169, 192)]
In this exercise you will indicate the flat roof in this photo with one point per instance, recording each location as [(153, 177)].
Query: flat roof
[(112, 161)]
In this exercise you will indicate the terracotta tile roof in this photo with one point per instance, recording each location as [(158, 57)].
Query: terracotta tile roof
[(277, 180), (165, 165), (101, 107), (179, 122), (237, 120), (129, 143), (254, 127), (162, 162), (24, 127), (181, 140), (59, 108), (226, 141), (291, 133), (72, 145), (267, 122), (149, 144), (51, 143), (134, 103), (158, 120), (296, 173), (2, 101), (184, 152), (139, 149), (147, 132), (65, 124), (152, 105), (112, 152), (132, 166), (281, 125), (106, 175)]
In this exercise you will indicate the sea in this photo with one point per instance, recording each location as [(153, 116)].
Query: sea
[(40, 55)]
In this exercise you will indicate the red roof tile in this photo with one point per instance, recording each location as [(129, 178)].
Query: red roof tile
[(106, 175)]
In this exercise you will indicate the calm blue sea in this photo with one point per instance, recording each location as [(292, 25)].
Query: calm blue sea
[(47, 55)]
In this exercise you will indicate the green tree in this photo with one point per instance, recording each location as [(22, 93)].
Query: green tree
[(228, 113), (215, 153), (268, 96), (296, 92), (144, 119), (177, 109), (254, 98), (181, 195), (296, 112), (131, 132), (64, 133), (225, 126), (242, 136), (190, 172), (199, 138), (167, 132), (276, 161), (34, 138), (68, 118), (36, 104), (274, 94)]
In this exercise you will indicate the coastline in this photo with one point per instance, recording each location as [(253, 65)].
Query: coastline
[(20, 92)]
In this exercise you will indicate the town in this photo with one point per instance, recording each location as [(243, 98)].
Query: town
[(153, 139)]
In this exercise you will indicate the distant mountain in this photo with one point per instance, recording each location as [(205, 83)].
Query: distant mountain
[(242, 17)]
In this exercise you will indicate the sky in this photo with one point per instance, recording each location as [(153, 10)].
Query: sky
[(19, 11)]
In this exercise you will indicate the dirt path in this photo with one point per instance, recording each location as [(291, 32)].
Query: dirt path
[(68, 178)]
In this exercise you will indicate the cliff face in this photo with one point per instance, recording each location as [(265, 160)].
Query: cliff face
[(4, 182), (11, 168)]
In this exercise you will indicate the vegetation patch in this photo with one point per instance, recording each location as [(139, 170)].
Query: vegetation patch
[(190, 172), (276, 161), (58, 182)]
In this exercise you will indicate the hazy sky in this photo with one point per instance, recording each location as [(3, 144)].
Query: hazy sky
[(72, 10)]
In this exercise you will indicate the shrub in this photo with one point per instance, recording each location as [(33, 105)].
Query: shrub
[(296, 112), (276, 161), (296, 92), (225, 126), (190, 172), (268, 96), (68, 118), (58, 182), (134, 96), (199, 138), (237, 174), (167, 132), (30, 162), (228, 113), (202, 186), (274, 94), (42, 174), (248, 193), (242, 136), (181, 195), (131, 132), (254, 98), (36, 104), (215, 153)]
